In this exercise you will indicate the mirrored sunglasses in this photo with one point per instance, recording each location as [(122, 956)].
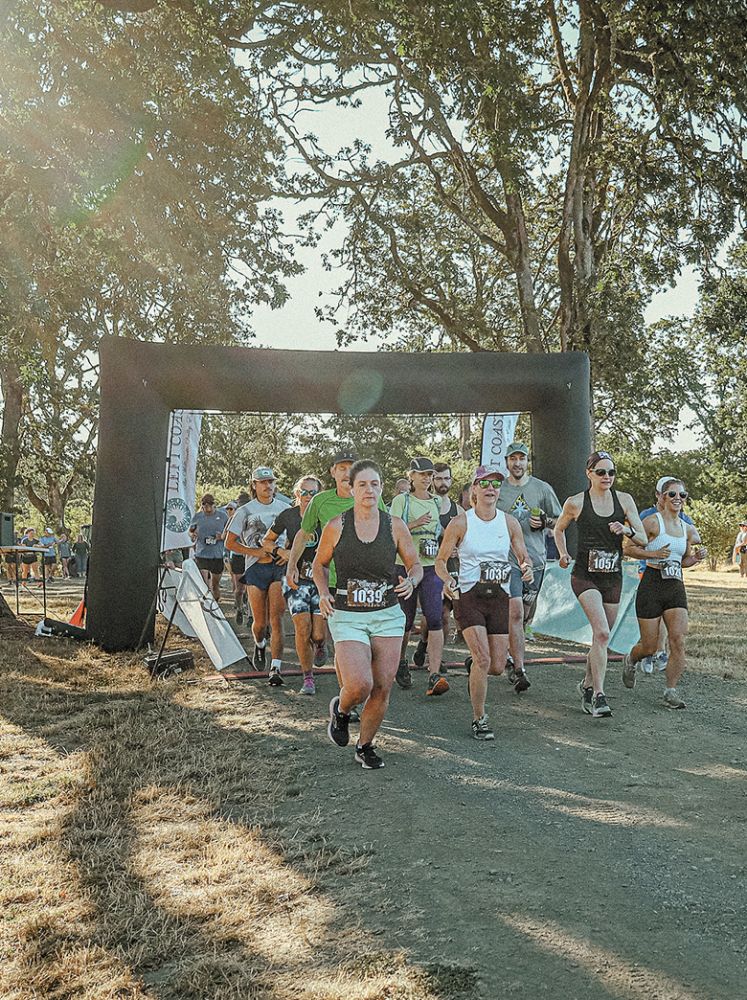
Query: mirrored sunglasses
[(676, 493), (307, 493), (484, 483)]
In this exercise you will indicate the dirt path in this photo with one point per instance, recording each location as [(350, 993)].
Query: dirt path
[(572, 858)]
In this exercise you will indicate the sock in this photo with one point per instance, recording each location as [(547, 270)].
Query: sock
[(669, 690), (260, 645), (275, 665), (308, 673)]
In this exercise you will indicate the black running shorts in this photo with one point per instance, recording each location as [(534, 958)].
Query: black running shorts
[(609, 586), (214, 566), (491, 613), (238, 563), (655, 595)]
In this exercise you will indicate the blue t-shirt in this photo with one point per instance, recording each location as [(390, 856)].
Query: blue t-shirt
[(207, 527), (655, 510), (49, 541)]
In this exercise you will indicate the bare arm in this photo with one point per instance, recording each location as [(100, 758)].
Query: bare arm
[(519, 548), (234, 544), (636, 531), (299, 544), (320, 567), (452, 538), (635, 550), (570, 512)]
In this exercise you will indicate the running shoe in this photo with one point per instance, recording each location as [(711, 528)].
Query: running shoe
[(587, 696), (437, 684), (239, 616), (481, 729), (337, 728), (599, 707), (320, 653), (259, 657), (672, 699), (354, 714), (403, 676), (418, 657), (661, 660), (367, 757), (520, 681), (647, 665), (510, 667), (274, 679), (628, 671), (308, 686)]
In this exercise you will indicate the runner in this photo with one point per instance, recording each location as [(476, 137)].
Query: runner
[(535, 506), (442, 480), (661, 593), (362, 608), (237, 563), (660, 657), (739, 553), (264, 570), (421, 512), (600, 512), (207, 531), (303, 601), (483, 536)]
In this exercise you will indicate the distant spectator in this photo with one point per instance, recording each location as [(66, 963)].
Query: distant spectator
[(740, 548), (65, 552), (29, 559), (81, 549), (49, 541)]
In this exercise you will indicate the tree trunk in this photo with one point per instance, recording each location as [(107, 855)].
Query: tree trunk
[(10, 441), (465, 436)]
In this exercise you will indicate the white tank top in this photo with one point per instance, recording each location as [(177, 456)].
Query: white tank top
[(677, 543), (484, 541)]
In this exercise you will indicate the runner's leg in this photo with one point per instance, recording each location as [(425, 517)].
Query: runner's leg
[(384, 652), (676, 622), (476, 637), (599, 619)]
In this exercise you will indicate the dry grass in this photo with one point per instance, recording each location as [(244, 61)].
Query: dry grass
[(153, 845)]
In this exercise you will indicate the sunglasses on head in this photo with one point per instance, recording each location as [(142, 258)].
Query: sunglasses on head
[(605, 472), (676, 493), (307, 493), (484, 483)]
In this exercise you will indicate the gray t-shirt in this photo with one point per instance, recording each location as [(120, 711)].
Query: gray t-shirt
[(519, 500), (252, 521), (208, 526)]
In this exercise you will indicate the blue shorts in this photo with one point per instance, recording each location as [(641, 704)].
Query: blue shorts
[(304, 601), (517, 587), (262, 575), (361, 626)]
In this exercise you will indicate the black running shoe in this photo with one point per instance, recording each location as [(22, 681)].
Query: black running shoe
[(239, 616), (259, 657), (403, 676), (275, 679), (599, 707), (337, 729), (587, 697), (368, 758), (521, 681), (418, 657)]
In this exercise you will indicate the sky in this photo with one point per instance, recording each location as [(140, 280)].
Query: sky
[(296, 327)]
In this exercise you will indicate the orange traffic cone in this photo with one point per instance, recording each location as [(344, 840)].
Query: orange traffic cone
[(79, 615)]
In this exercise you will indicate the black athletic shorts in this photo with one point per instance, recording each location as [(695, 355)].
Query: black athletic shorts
[(609, 586), (656, 595), (489, 612), (238, 563), (210, 565), (29, 559)]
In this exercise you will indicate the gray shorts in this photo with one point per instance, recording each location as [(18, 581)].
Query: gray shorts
[(305, 600), (517, 587)]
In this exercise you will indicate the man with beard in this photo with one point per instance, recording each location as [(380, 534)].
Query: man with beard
[(442, 482), (534, 505)]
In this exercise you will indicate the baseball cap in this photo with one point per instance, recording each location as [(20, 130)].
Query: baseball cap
[(47, 528), (243, 498), (262, 472), (517, 446), (665, 479), (344, 455), (421, 465), (484, 471), (595, 456), (232, 504)]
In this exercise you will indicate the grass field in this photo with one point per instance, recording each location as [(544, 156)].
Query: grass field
[(193, 839)]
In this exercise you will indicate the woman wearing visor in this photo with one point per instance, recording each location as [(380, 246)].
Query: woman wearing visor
[(483, 537), (601, 513), (661, 592)]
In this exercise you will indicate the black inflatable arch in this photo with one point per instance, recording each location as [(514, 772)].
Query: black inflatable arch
[(142, 383)]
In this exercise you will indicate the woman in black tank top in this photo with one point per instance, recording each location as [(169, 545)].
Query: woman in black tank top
[(600, 513), (365, 619)]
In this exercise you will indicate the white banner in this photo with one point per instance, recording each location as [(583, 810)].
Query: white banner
[(181, 478), (498, 431), (198, 615)]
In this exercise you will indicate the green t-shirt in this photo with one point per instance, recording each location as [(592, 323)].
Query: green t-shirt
[(323, 508), (409, 508)]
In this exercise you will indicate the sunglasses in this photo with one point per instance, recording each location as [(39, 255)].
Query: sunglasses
[(604, 472), (484, 483), (675, 493), (307, 493)]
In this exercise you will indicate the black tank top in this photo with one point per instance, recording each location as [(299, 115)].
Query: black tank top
[(594, 535), (452, 563), (365, 570)]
